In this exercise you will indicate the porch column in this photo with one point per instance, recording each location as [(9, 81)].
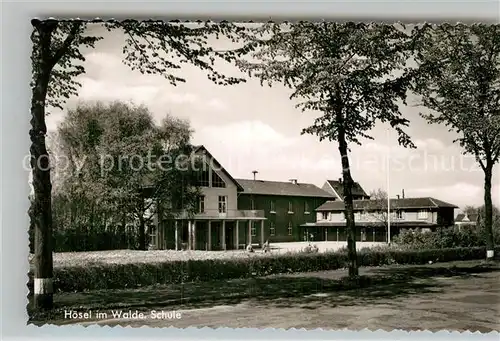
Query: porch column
[(176, 236), (337, 234), (326, 234), (237, 239), (224, 234), (262, 233), (373, 234), (209, 235), (190, 235), (194, 234), (250, 232)]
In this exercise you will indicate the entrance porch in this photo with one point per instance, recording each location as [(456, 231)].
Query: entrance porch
[(209, 234)]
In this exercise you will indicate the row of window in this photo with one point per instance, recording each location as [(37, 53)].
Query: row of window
[(272, 207), (272, 229), (223, 205), (422, 214)]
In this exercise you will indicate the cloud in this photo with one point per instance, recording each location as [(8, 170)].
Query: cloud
[(246, 135), (429, 144), (247, 145), (105, 61), (217, 104), (178, 98), (108, 91)]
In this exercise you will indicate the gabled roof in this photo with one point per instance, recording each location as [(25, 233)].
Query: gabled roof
[(471, 218), (203, 150), (406, 203), (282, 188), (338, 187)]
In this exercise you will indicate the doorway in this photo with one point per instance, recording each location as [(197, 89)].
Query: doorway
[(229, 236)]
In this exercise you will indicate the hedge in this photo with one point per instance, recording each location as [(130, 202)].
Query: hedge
[(121, 276), (73, 240)]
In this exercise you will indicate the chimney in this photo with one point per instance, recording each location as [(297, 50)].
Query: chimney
[(403, 193), (254, 172), (294, 181), (397, 195), (340, 180)]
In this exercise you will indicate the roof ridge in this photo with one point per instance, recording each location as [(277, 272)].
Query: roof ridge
[(433, 202), (281, 182)]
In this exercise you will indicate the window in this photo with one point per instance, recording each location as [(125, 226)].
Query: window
[(422, 214), (399, 214), (290, 207), (222, 204), (290, 228), (357, 215), (306, 208), (201, 204), (254, 229), (153, 237), (217, 180), (273, 206), (272, 229), (324, 215), (203, 178)]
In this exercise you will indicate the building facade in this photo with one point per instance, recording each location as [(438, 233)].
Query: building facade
[(234, 213), (286, 206), (372, 219)]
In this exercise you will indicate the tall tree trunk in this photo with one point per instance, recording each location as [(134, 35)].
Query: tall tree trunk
[(348, 202), (488, 211), (125, 231), (42, 210)]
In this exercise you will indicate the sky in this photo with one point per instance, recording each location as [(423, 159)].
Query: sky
[(250, 127)]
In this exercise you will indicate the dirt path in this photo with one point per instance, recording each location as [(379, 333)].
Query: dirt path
[(462, 302)]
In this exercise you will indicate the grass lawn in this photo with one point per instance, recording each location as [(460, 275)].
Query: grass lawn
[(313, 296), (66, 259)]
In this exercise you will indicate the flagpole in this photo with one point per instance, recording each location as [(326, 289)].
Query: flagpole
[(388, 190)]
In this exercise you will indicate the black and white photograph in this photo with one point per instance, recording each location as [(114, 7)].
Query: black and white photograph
[(302, 174)]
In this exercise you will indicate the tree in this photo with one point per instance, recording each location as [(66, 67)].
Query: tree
[(151, 47), (376, 210), (460, 83), (353, 75), (130, 164)]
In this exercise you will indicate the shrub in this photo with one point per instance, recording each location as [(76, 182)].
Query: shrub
[(121, 276), (467, 236)]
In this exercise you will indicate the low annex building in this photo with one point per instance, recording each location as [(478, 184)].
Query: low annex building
[(372, 220)]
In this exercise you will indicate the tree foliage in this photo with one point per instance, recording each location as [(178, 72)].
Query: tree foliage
[(459, 80), (117, 151), (151, 47), (355, 70), (352, 75)]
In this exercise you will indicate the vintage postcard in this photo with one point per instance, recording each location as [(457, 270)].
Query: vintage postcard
[(265, 175)]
